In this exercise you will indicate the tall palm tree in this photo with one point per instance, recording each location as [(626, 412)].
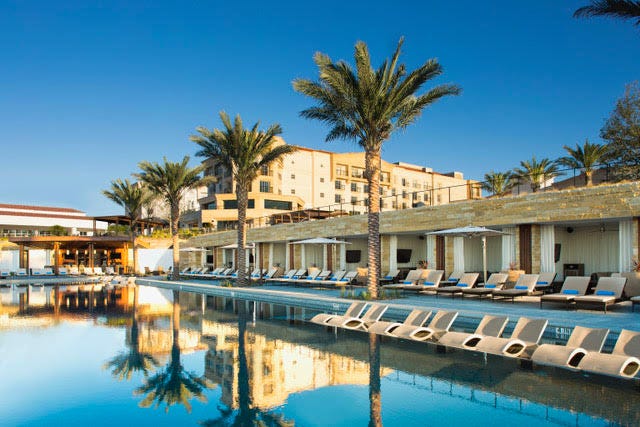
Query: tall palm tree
[(132, 197), (375, 394), (624, 9), (173, 384), (497, 182), (170, 181), (244, 152), (536, 172), (584, 158), (367, 105)]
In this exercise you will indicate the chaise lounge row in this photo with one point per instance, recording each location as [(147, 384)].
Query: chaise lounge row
[(581, 352)]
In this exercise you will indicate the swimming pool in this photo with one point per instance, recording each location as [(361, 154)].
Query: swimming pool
[(155, 357)]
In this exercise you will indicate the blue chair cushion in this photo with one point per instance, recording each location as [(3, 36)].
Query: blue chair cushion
[(462, 285), (490, 286), (335, 279), (407, 282), (522, 288), (428, 283), (542, 283), (388, 277), (570, 291), (605, 293)]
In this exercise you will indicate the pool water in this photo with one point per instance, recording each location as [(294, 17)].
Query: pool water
[(147, 356)]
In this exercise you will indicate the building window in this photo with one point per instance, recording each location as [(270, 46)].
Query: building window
[(293, 176), (321, 179), (341, 170), (365, 188), (264, 187), (277, 204), (233, 204), (322, 195), (264, 170), (357, 172), (293, 191), (354, 200), (354, 187), (338, 198), (339, 185), (404, 182)]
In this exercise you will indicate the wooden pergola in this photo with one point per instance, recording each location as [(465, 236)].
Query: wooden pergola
[(76, 250)]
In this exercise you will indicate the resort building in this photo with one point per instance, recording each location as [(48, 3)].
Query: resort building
[(26, 221), (325, 184), (578, 231)]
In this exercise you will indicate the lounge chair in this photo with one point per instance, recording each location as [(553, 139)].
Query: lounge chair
[(495, 282), (5, 273), (572, 287), (608, 291), (623, 361), (285, 277), (62, 271), (390, 277), (333, 278), (299, 274), (523, 341), (21, 272), (98, 271), (309, 277), (634, 301), (466, 281), (372, 315), (74, 271), (489, 326), (525, 285), (324, 275), (430, 283), (413, 277), (347, 279), (545, 281), (440, 324), (415, 319), (268, 275), (88, 271), (256, 274), (354, 310), (109, 270), (582, 341)]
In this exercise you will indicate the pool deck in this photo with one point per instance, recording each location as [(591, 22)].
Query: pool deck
[(471, 310)]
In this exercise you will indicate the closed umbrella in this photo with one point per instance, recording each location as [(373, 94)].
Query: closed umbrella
[(471, 231)]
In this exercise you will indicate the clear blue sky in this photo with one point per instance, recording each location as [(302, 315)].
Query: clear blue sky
[(87, 91)]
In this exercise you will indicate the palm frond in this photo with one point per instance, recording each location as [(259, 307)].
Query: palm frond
[(625, 9)]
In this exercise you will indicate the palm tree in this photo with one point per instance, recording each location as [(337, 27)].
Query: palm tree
[(584, 158), (126, 363), (375, 395), (132, 197), (624, 9), (173, 385), (244, 152), (536, 172), (170, 181), (367, 106), (497, 182)]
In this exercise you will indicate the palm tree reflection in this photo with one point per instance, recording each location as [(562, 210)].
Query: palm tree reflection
[(246, 415), (375, 397), (126, 363), (173, 384)]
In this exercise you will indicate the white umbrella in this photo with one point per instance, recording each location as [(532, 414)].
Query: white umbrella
[(321, 241), (471, 231), (235, 246), (193, 250)]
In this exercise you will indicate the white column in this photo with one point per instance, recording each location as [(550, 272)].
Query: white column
[(508, 247), (303, 256), (287, 255), (547, 248), (224, 258), (458, 254), (270, 255), (325, 258), (343, 257), (625, 231), (431, 250), (393, 252)]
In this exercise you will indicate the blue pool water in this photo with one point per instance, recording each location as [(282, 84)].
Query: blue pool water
[(87, 360)]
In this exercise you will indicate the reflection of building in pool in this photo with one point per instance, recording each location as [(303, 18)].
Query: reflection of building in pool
[(277, 368)]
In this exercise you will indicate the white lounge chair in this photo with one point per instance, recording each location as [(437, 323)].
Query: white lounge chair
[(440, 324), (372, 315), (623, 361), (545, 281), (572, 287), (489, 326), (608, 291), (526, 285), (413, 277), (354, 310), (429, 283), (415, 319), (495, 281), (523, 341), (581, 341), (466, 281)]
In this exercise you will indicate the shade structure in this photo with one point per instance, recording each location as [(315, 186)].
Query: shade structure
[(320, 241), (192, 249), (235, 246), (472, 231)]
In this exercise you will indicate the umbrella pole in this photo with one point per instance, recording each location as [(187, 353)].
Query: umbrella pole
[(484, 259)]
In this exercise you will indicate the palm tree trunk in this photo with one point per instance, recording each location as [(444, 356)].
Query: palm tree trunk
[(372, 167), (375, 398), (244, 397), (588, 177), (175, 218), (242, 194), (135, 252)]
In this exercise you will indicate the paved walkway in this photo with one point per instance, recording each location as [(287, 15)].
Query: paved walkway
[(561, 320)]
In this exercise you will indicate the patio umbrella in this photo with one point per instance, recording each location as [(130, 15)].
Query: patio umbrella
[(235, 246), (471, 231), (193, 250)]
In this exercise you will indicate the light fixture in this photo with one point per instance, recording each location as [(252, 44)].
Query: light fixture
[(67, 251), (602, 229)]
